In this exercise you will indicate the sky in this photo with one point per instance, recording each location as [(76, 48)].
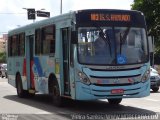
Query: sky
[(12, 14)]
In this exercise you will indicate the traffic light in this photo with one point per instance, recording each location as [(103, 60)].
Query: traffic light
[(43, 14), (31, 14)]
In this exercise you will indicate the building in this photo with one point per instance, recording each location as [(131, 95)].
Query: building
[(3, 43)]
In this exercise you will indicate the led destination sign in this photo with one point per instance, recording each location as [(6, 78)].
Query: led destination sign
[(119, 18), (110, 17)]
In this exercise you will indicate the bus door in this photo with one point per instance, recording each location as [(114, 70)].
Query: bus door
[(66, 72), (29, 62)]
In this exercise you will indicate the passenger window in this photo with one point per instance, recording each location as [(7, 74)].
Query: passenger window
[(38, 43), (21, 47), (16, 45), (48, 39), (9, 46), (14, 49)]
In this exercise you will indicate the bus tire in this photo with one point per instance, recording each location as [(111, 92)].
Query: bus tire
[(20, 92), (30, 95), (6, 75), (155, 89), (0, 73), (115, 101), (57, 99)]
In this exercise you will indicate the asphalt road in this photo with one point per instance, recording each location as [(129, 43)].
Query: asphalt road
[(40, 107)]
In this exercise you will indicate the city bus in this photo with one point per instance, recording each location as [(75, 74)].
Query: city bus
[(58, 56)]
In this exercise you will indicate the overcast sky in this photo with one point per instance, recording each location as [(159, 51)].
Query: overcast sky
[(19, 18)]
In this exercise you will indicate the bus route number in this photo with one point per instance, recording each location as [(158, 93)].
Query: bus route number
[(110, 17)]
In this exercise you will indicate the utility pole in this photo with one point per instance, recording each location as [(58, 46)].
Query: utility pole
[(153, 49), (61, 7)]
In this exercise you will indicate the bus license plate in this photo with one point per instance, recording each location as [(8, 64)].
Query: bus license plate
[(117, 91)]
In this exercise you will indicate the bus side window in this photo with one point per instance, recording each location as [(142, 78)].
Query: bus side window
[(21, 49), (52, 42), (14, 50), (9, 47), (52, 46), (37, 42), (48, 39)]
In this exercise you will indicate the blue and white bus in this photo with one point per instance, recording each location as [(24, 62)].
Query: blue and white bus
[(58, 56)]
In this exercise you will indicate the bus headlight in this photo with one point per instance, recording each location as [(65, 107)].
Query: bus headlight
[(146, 76), (83, 78)]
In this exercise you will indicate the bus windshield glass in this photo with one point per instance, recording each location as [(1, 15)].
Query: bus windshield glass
[(112, 45)]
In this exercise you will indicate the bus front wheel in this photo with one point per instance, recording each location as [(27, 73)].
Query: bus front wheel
[(114, 101)]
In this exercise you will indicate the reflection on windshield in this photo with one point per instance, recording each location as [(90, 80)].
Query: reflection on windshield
[(124, 48)]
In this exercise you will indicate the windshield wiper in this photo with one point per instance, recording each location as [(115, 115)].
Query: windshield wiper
[(123, 38), (109, 43), (107, 40)]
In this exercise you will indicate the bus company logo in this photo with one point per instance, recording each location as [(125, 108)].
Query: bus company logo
[(116, 80), (114, 67)]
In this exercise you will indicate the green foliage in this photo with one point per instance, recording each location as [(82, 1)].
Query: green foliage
[(151, 10), (3, 57)]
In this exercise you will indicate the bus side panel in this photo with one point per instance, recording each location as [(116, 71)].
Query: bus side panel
[(43, 66), (59, 60), (16, 65), (73, 73), (11, 74)]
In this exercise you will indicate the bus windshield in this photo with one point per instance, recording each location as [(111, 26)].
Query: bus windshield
[(112, 45)]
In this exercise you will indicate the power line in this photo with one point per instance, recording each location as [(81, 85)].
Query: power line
[(3, 32), (12, 13)]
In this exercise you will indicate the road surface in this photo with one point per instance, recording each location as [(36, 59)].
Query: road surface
[(40, 107)]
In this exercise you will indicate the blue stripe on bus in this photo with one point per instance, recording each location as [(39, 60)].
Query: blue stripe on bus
[(38, 66)]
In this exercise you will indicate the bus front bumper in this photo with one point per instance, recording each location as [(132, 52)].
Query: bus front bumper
[(93, 92)]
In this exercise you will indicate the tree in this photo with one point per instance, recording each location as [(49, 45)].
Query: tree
[(3, 57), (151, 10)]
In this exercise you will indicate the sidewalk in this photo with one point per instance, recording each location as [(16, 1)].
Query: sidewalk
[(3, 79)]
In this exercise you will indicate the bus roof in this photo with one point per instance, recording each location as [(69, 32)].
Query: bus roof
[(109, 10), (42, 23), (65, 16)]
